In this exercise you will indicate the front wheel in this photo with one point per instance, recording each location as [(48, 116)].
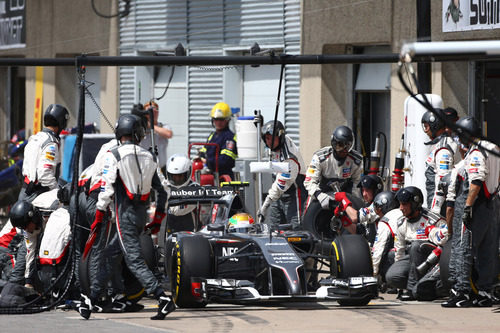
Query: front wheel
[(192, 258)]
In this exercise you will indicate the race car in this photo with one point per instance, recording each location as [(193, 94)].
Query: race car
[(226, 264)]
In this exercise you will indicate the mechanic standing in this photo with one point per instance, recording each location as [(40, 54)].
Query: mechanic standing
[(416, 229), (129, 173), (41, 164), (441, 159), (287, 193), (105, 252), (481, 212), (42, 156), (336, 164), (225, 138)]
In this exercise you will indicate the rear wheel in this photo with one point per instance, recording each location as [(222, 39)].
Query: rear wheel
[(193, 258)]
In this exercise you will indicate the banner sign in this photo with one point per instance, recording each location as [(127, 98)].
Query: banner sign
[(463, 15), (12, 24)]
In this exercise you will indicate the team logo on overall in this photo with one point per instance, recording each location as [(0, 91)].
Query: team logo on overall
[(346, 172), (444, 165), (230, 144)]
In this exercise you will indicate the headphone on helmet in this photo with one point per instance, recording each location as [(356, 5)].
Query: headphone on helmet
[(434, 121), (372, 182), (130, 125), (413, 195), (385, 201), (23, 213)]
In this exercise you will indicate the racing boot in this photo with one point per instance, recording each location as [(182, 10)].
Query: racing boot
[(165, 306), (457, 300), (120, 303), (483, 299), (407, 295), (85, 307)]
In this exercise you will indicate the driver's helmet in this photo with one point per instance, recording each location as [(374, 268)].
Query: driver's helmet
[(241, 222), (179, 170)]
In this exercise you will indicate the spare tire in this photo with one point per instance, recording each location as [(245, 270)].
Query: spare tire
[(317, 220)]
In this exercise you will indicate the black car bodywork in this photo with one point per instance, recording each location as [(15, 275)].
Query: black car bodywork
[(270, 263)]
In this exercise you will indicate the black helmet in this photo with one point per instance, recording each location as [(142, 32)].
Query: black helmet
[(372, 182), (435, 122), (268, 128), (386, 201), (412, 195), (342, 138), (129, 125), (22, 213), (468, 129), (56, 115), (451, 114)]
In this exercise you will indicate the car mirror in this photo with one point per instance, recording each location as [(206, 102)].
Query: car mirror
[(215, 227)]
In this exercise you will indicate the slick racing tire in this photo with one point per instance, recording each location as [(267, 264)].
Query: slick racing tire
[(133, 288), (354, 260), (192, 258), (444, 265), (354, 256), (317, 220)]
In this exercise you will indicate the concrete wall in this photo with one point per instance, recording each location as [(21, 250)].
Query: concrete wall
[(66, 28)]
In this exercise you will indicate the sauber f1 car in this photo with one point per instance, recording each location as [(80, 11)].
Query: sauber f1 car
[(264, 263)]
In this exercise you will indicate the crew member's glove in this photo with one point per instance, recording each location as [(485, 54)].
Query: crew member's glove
[(324, 200), (428, 230), (99, 217), (261, 213), (467, 217), (341, 197), (258, 119), (339, 212), (156, 223)]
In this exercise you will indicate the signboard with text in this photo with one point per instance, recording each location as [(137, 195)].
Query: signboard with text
[(464, 15), (12, 24)]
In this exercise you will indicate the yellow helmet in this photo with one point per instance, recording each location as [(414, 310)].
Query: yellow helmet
[(221, 110)]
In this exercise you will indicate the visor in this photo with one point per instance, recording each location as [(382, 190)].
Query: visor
[(341, 146)]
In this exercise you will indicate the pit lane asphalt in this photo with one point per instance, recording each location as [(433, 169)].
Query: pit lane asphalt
[(381, 315)]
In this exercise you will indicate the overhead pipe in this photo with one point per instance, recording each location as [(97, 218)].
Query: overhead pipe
[(287, 59)]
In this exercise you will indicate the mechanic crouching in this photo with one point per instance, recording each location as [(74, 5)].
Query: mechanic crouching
[(419, 232), (386, 207), (129, 174), (360, 221)]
